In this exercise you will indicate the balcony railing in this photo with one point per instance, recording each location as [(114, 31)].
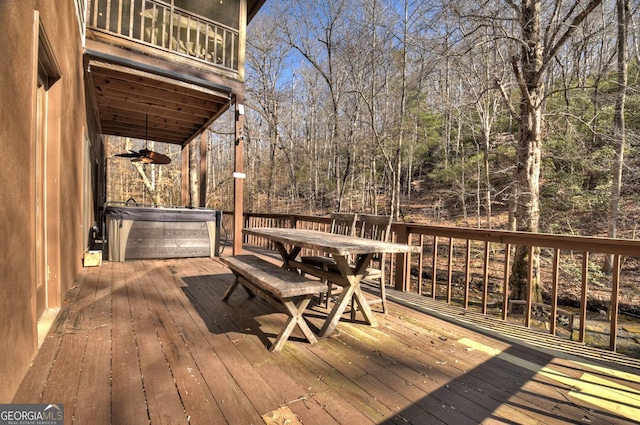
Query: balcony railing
[(160, 25), (471, 268)]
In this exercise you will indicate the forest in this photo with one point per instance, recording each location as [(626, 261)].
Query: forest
[(507, 114)]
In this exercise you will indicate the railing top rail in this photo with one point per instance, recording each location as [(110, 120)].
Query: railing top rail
[(592, 244)]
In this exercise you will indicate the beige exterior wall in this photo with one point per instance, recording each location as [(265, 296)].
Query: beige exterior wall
[(67, 235)]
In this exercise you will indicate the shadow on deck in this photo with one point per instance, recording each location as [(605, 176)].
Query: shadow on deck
[(152, 342)]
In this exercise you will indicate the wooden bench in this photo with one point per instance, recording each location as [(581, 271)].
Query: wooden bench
[(284, 289)]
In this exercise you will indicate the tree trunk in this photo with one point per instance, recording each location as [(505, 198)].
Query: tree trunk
[(151, 188), (527, 213), (620, 135)]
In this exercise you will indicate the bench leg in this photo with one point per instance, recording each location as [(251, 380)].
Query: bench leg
[(233, 287), (295, 318)]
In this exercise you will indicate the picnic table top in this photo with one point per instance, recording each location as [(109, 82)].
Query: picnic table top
[(329, 242)]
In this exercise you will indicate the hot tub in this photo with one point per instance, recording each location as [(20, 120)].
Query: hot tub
[(148, 232)]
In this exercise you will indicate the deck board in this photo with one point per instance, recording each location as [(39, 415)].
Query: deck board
[(162, 395), (128, 402), (198, 371), (152, 342), (96, 363)]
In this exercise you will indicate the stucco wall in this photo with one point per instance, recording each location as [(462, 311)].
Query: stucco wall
[(17, 239)]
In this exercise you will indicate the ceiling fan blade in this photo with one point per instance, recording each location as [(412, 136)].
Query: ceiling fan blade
[(147, 156), (129, 155), (157, 158)]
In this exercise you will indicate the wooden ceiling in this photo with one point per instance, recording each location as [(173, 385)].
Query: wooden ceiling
[(143, 105)]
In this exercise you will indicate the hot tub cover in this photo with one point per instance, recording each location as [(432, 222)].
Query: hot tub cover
[(160, 214)]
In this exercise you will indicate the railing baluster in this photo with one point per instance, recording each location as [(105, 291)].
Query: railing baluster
[(131, 16), (420, 268), (107, 16), (162, 29), (613, 310), (197, 42), (485, 280), (467, 275), (233, 52), (93, 21), (449, 270), (142, 18), (189, 52), (153, 39), (120, 8), (391, 259), (529, 301), (434, 267), (215, 47), (206, 41), (505, 281), (224, 48), (583, 298), (408, 260), (554, 291)]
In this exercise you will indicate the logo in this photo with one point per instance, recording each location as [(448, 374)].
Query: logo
[(31, 414)]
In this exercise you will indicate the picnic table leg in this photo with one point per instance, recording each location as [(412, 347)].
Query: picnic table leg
[(287, 255), (358, 297), (295, 318), (353, 276)]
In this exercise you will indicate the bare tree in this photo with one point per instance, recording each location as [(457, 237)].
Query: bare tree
[(315, 30), (267, 56), (540, 43), (620, 136)]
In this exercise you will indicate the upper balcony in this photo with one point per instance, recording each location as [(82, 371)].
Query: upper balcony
[(164, 70), (207, 35)]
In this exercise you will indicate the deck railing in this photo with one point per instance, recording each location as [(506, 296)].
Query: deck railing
[(471, 268), (163, 26)]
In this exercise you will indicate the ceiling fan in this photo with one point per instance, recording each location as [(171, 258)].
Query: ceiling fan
[(145, 155)]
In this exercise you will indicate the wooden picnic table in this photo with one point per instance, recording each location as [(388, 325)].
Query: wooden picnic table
[(289, 243)]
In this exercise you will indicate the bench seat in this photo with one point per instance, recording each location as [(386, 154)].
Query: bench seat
[(284, 289)]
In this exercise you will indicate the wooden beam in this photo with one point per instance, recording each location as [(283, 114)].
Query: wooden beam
[(401, 283), (242, 39), (184, 190), (162, 72), (203, 168), (238, 176)]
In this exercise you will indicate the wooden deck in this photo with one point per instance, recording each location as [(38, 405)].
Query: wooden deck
[(152, 342)]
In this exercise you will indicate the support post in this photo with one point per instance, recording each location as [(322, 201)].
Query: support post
[(184, 187), (203, 169), (238, 176), (402, 277)]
